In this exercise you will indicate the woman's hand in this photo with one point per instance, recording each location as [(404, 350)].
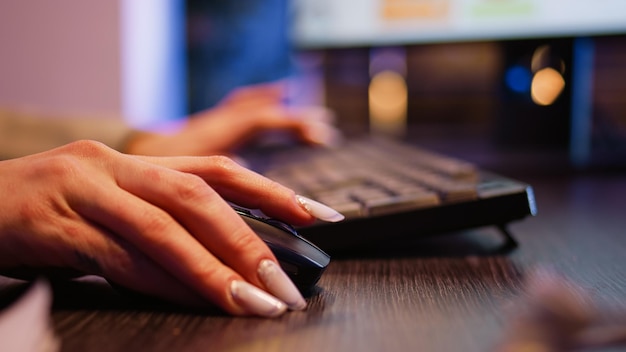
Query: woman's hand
[(159, 226), (239, 118)]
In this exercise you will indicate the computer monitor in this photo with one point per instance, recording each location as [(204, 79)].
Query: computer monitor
[(330, 23)]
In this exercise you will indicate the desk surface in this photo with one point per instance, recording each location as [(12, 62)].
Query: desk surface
[(452, 293)]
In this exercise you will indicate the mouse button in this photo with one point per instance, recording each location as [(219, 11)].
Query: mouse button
[(270, 233), (283, 226), (299, 247)]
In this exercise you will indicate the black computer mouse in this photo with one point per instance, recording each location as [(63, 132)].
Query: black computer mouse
[(303, 261)]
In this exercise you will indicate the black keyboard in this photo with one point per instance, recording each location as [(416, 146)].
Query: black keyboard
[(390, 191)]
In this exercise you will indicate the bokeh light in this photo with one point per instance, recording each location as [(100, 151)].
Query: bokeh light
[(546, 86)]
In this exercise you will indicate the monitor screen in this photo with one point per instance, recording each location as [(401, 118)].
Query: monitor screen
[(349, 23)]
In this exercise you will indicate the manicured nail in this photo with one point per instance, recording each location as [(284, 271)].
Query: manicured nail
[(314, 113), (280, 285), (255, 300), (323, 134), (319, 210)]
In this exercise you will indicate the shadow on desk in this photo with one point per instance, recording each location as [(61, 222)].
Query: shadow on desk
[(484, 241), (92, 292)]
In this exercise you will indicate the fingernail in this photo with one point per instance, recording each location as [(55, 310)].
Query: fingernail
[(313, 113), (319, 210), (255, 300), (280, 285), (323, 134)]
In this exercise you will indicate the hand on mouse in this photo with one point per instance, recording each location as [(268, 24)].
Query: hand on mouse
[(159, 226), (244, 114)]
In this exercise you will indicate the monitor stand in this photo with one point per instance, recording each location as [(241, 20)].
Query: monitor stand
[(581, 101)]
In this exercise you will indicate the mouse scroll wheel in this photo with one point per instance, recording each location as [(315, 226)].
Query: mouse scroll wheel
[(282, 225)]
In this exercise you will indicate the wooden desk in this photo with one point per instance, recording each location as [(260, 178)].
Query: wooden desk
[(447, 294)]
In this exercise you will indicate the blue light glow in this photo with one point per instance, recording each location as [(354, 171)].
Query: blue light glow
[(518, 79), (153, 61)]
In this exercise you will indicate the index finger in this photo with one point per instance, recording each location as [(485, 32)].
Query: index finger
[(239, 185)]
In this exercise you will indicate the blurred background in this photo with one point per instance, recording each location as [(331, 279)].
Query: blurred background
[(518, 75)]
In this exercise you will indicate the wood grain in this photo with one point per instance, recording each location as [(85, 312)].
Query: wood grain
[(450, 293)]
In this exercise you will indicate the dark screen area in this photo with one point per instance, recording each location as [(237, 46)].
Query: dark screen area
[(234, 43)]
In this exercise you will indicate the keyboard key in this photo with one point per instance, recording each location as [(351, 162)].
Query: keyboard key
[(400, 203), (371, 181)]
